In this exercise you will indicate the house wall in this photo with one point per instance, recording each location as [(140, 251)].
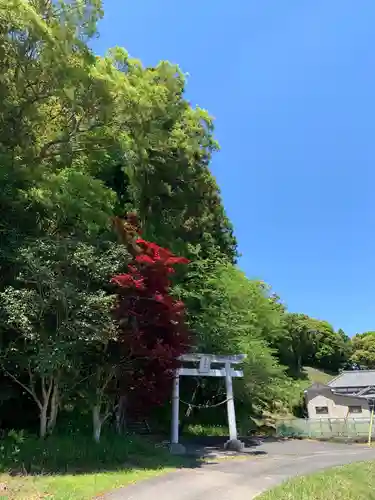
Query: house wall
[(337, 406)]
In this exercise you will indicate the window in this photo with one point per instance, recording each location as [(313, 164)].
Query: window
[(321, 410), (355, 409)]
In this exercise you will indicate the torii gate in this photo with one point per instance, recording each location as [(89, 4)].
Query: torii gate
[(204, 370)]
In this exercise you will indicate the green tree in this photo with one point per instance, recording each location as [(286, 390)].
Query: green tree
[(163, 173), (363, 345), (308, 341), (333, 349), (297, 344), (57, 118), (54, 314), (53, 104), (129, 126)]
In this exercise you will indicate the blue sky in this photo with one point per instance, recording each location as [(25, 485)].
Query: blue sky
[(291, 84)]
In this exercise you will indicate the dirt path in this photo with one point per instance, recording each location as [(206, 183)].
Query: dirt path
[(244, 479)]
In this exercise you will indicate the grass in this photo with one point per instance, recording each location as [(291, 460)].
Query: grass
[(350, 482), (206, 430), (69, 487), (317, 376), (74, 467)]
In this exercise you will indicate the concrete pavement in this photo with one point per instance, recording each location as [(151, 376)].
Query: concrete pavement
[(244, 479)]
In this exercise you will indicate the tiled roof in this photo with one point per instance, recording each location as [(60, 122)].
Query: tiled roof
[(354, 378)]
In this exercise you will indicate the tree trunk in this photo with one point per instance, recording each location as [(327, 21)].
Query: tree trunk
[(45, 405), (121, 415), (43, 421), (101, 408), (299, 363), (96, 423), (53, 409), (44, 401)]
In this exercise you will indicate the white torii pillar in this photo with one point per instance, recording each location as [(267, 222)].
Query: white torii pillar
[(176, 448), (230, 404), (205, 370)]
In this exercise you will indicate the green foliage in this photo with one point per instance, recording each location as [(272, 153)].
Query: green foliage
[(364, 349), (21, 452), (333, 348), (164, 172), (55, 313), (50, 104), (203, 430), (350, 482), (64, 109), (308, 341), (226, 308), (231, 314)]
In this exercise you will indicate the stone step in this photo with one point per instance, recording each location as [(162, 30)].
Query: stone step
[(140, 427)]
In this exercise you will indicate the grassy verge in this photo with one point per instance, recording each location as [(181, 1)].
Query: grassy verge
[(206, 430), (317, 376), (351, 482), (69, 487), (73, 467)]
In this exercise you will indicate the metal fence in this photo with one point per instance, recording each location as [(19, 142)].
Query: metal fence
[(328, 428)]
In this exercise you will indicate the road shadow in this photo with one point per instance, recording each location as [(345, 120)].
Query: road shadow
[(208, 446), (249, 441)]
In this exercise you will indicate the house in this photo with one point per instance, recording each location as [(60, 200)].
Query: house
[(349, 395)]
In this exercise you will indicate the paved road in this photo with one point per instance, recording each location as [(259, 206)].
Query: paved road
[(245, 479)]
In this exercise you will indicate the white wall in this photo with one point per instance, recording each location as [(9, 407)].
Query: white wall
[(337, 406)]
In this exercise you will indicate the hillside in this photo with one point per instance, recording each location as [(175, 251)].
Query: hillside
[(316, 376)]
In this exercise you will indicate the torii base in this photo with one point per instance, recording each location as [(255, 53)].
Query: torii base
[(234, 445), (177, 449)]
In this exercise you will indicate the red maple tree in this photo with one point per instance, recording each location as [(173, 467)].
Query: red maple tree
[(152, 329)]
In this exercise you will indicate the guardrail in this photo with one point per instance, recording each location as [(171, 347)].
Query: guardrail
[(328, 428)]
